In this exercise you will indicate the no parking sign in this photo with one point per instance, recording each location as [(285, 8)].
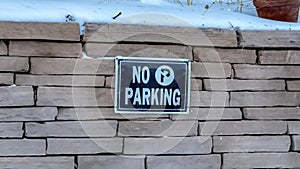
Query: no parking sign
[(146, 85)]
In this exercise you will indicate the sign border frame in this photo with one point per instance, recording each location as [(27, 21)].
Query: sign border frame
[(117, 58)]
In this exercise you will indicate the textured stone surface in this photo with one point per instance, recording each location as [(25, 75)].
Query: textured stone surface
[(52, 80), (72, 129), (209, 99), (224, 55), (243, 99), (243, 127), (61, 96), (279, 57), (244, 71), (293, 85), (34, 48), (14, 64), (243, 85), (84, 146), (101, 113), (271, 38), (3, 48), (40, 30), (285, 113), (211, 70), (111, 162), (196, 84), (11, 130), (28, 114), (6, 78), (170, 145), (158, 128), (138, 50), (294, 127), (261, 160), (37, 162), (110, 82), (187, 162), (71, 66), (18, 147), (251, 143), (296, 143), (159, 34), (16, 96), (210, 114)]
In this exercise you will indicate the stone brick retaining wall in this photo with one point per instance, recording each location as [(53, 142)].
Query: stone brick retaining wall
[(244, 111)]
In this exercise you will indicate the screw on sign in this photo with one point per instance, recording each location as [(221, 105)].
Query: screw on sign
[(146, 85)]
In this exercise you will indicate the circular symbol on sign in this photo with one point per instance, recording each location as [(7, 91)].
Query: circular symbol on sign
[(164, 75)]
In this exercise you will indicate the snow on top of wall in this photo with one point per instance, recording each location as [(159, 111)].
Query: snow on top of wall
[(202, 13)]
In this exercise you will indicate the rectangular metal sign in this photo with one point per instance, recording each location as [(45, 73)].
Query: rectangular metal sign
[(146, 85)]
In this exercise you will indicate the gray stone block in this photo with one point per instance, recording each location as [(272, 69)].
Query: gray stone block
[(16, 96), (84, 145), (243, 127), (281, 113), (18, 147), (111, 162), (11, 130), (251, 144), (28, 114), (168, 145), (261, 160), (158, 128), (72, 129), (187, 162)]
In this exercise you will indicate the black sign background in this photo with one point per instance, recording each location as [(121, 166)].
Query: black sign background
[(124, 79)]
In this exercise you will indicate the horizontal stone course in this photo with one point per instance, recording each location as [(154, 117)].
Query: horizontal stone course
[(211, 70), (6, 78), (70, 66), (210, 114), (72, 129), (270, 38), (243, 99), (294, 127), (37, 162), (61, 80), (109, 162), (159, 34), (21, 147), (224, 55), (168, 145), (28, 114), (14, 64), (279, 57), (16, 96), (261, 160), (187, 162), (101, 113), (251, 144), (243, 128), (280, 113), (293, 85), (158, 128), (209, 99), (96, 50), (244, 71), (84, 146), (296, 143), (11, 130), (72, 97), (3, 48), (40, 30), (49, 49), (243, 85)]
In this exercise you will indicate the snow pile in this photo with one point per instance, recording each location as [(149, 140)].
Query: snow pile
[(202, 13)]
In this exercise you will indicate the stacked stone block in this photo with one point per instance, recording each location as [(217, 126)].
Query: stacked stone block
[(57, 98)]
